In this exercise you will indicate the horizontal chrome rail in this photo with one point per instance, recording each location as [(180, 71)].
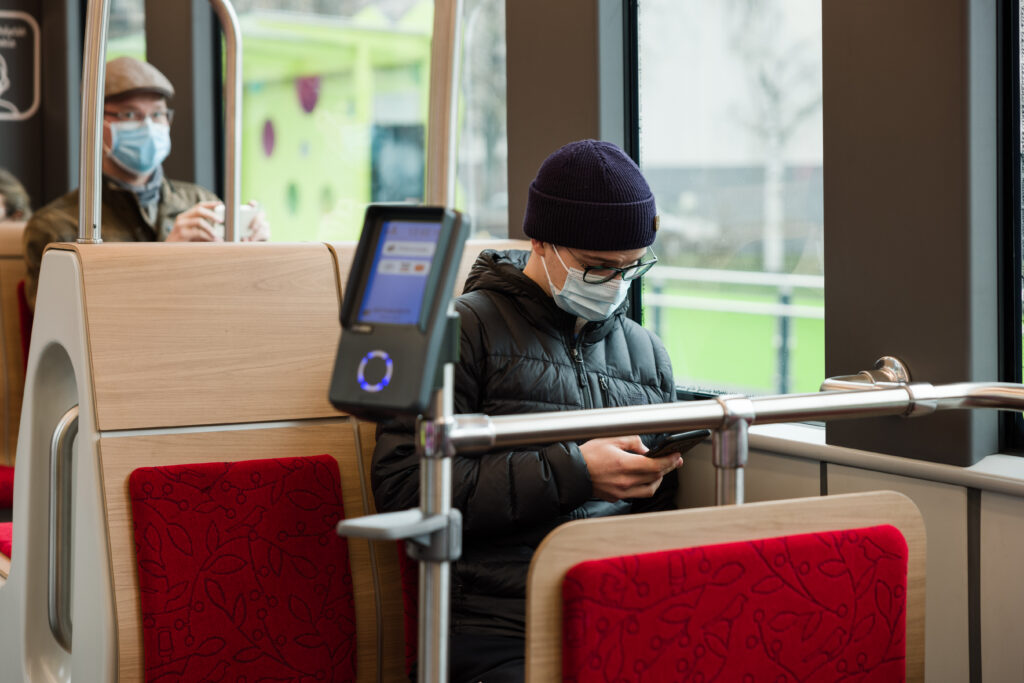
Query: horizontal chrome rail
[(885, 390), (480, 433), (58, 596)]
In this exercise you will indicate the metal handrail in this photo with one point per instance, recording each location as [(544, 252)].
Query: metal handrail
[(94, 71), (480, 433), (58, 594), (883, 391)]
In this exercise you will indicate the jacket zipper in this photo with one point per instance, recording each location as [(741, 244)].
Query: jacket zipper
[(581, 374), (603, 383)]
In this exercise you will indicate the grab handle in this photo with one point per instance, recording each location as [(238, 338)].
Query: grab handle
[(58, 597)]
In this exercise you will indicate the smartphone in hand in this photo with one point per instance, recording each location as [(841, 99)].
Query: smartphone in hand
[(677, 443)]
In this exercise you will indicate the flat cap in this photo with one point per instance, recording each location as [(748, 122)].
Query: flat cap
[(127, 76)]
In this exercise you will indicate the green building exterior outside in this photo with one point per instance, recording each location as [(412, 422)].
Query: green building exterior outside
[(332, 108)]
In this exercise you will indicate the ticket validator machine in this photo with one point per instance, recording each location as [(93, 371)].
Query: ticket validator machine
[(398, 343)]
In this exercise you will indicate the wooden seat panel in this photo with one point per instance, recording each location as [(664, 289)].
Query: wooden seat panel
[(583, 540), (227, 333), (119, 456), (12, 272)]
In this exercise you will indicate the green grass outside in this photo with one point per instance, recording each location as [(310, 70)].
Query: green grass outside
[(739, 351)]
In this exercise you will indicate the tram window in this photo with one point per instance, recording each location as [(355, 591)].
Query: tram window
[(334, 110), (126, 35), (481, 175), (731, 143)]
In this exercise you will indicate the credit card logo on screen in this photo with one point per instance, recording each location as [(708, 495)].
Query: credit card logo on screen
[(404, 267)]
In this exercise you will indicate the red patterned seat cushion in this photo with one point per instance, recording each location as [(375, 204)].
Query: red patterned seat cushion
[(810, 607), (6, 534), (6, 486), (241, 573), (409, 572)]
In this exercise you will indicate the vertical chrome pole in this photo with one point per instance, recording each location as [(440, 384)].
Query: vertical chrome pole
[(232, 116), (729, 449), (435, 499), (94, 72)]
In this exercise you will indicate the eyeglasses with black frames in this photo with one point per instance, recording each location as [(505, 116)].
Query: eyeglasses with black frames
[(162, 117), (595, 275)]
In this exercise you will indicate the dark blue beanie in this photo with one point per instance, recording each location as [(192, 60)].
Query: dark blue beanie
[(590, 195)]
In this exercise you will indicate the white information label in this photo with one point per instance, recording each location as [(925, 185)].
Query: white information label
[(19, 65)]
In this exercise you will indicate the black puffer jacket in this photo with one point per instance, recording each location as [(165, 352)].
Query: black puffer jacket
[(519, 355)]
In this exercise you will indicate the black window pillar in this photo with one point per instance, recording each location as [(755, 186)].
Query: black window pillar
[(911, 221)]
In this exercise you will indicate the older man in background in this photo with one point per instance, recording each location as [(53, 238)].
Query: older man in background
[(139, 204)]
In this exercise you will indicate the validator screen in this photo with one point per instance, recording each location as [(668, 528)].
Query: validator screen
[(398, 278)]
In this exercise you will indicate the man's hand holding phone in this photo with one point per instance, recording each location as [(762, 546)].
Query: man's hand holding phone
[(677, 443)]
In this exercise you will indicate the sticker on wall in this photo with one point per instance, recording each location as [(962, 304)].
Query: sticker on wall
[(19, 65)]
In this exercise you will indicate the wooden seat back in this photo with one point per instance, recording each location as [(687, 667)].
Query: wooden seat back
[(220, 334), (12, 361), (576, 542)]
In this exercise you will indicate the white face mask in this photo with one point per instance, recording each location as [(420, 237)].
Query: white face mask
[(591, 302)]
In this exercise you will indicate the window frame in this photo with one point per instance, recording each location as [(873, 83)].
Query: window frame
[(1011, 137)]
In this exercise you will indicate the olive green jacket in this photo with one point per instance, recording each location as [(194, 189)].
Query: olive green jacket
[(123, 221)]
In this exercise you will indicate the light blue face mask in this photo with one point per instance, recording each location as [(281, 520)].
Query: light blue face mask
[(139, 147), (591, 302)]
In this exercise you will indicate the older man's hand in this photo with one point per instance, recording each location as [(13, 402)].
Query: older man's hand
[(196, 224)]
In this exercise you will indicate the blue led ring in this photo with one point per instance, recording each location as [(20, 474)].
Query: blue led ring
[(361, 371)]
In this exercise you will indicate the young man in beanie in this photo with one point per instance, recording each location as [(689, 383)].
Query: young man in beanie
[(545, 330), (138, 203)]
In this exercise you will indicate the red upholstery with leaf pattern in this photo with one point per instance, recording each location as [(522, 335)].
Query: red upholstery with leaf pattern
[(6, 486), (6, 534), (409, 571), (241, 573), (810, 607)]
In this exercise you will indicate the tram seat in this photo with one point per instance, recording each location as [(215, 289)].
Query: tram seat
[(232, 365), (704, 592), (239, 562), (211, 302), (14, 337), (225, 355)]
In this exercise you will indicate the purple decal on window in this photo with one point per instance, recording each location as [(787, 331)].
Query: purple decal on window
[(268, 137), (308, 88)]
